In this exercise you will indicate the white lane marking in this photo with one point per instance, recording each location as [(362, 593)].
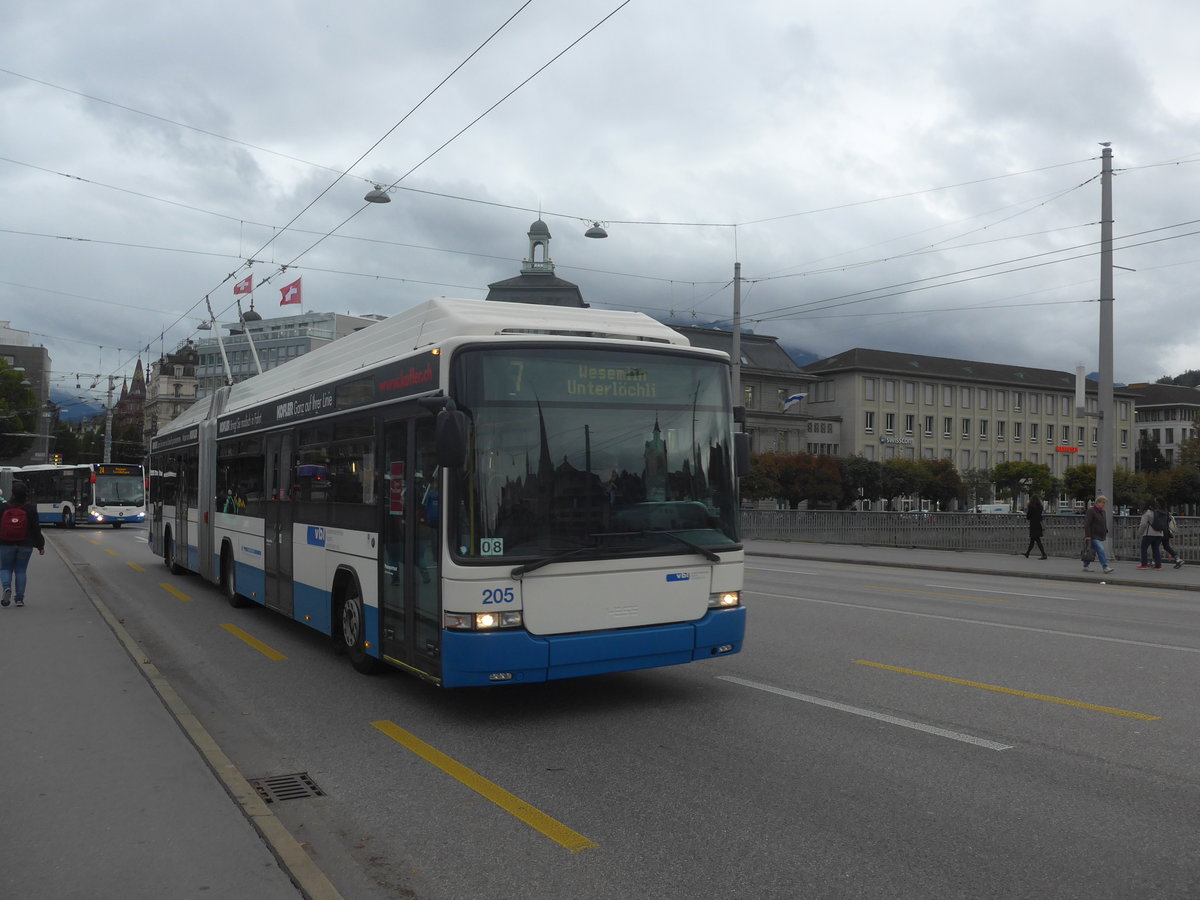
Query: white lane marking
[(920, 615), (1010, 593), (868, 714)]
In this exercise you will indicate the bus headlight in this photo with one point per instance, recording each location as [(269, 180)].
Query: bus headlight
[(725, 600), (488, 621)]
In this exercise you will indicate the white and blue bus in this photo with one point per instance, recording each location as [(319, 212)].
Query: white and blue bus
[(475, 492), (90, 493)]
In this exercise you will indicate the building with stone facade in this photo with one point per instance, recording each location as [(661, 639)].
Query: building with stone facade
[(18, 351), (171, 387), (975, 414), (769, 377), (1166, 417)]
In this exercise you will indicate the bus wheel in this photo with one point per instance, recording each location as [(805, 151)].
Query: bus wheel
[(228, 586), (68, 518), (169, 555), (352, 627)]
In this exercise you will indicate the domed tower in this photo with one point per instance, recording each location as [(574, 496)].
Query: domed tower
[(537, 282)]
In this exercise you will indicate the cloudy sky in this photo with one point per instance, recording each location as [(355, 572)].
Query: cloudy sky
[(920, 177)]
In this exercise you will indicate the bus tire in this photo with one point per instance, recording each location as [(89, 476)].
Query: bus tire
[(68, 518), (169, 555), (228, 581), (351, 623)]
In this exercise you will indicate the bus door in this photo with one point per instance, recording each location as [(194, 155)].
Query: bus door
[(179, 529), (410, 606), (277, 527)]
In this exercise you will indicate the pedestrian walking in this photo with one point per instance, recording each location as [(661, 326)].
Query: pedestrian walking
[(1155, 520), (1033, 512), (1168, 548), (20, 535), (1095, 532)]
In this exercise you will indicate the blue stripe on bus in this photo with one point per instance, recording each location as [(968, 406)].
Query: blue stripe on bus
[(469, 658), (314, 603)]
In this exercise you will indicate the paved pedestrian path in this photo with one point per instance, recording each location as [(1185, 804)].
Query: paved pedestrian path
[(111, 789)]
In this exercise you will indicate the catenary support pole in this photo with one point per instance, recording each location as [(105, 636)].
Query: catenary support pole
[(1108, 418)]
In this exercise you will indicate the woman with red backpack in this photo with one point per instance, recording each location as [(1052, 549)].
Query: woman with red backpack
[(20, 535)]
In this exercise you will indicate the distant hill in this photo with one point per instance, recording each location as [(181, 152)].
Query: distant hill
[(74, 408)]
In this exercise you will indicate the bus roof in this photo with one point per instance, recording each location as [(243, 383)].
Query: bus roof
[(427, 325)]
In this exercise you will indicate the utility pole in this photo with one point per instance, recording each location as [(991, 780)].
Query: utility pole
[(1108, 418), (108, 421)]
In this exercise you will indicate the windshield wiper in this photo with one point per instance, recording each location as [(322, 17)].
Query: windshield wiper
[(558, 557), (605, 551), (703, 551)]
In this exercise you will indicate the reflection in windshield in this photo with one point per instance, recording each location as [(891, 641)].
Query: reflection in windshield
[(120, 490), (573, 445)]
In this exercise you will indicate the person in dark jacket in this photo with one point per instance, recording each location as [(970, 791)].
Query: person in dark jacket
[(15, 554), (1033, 512), (1095, 530)]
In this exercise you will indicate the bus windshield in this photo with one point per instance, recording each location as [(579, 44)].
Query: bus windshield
[(573, 448), (120, 490)]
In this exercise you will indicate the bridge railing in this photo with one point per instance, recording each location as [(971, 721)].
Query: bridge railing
[(995, 533)]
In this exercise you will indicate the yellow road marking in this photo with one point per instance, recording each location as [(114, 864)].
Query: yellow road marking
[(110, 552), (178, 593), (135, 567), (268, 652), (96, 542), (881, 587), (1111, 710), (534, 818)]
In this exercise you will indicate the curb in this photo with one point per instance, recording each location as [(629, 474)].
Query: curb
[(298, 865)]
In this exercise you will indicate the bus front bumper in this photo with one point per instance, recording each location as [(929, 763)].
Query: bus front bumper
[(518, 657)]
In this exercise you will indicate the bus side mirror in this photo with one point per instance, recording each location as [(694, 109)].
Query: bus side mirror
[(741, 453), (451, 438)]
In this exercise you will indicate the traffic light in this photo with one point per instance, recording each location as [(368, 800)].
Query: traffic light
[(56, 459)]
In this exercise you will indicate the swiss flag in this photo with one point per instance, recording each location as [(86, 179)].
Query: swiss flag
[(245, 286), (290, 293)]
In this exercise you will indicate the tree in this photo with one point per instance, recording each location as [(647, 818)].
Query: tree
[(1130, 489), (1079, 482), (818, 480), (942, 482), (762, 482), (1150, 456), (860, 479), (976, 487), (901, 477), (1014, 478), (1184, 486), (18, 413)]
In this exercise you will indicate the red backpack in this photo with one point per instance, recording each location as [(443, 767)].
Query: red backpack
[(14, 524)]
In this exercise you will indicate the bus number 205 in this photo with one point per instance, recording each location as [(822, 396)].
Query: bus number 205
[(498, 595)]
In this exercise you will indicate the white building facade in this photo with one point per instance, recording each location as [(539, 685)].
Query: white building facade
[(974, 414)]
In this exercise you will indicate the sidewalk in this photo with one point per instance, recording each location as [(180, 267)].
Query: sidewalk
[(111, 787), (1012, 564)]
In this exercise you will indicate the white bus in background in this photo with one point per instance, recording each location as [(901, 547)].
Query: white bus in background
[(476, 492), (89, 493)]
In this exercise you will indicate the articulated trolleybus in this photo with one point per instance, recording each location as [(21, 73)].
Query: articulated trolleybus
[(89, 493), (476, 492)]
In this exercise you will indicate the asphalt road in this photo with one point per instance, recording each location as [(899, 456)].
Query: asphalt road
[(886, 732)]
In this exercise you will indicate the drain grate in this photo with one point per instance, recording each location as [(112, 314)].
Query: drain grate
[(286, 787)]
